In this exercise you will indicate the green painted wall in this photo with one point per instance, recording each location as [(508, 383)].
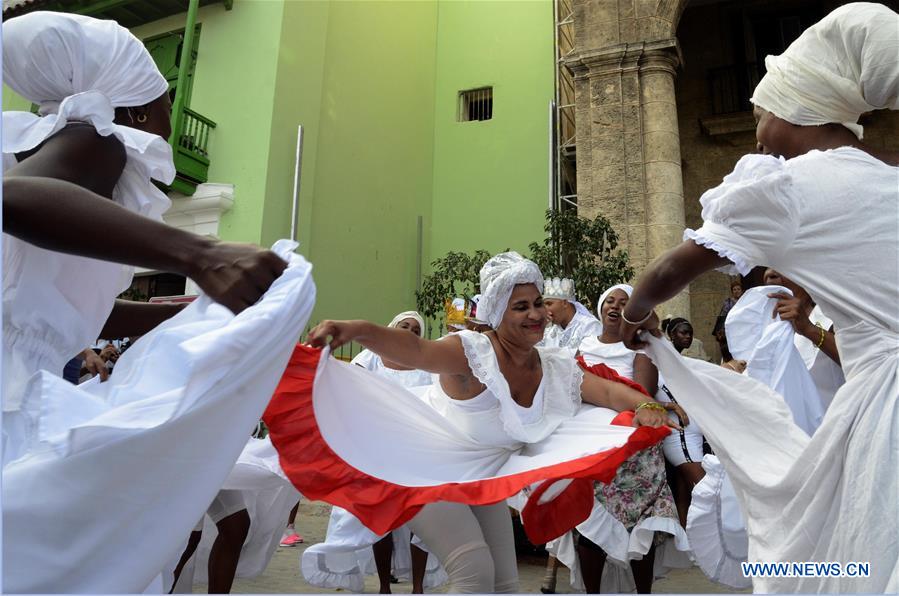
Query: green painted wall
[(373, 169), (14, 102), (375, 85), (297, 101), (491, 178), (244, 40)]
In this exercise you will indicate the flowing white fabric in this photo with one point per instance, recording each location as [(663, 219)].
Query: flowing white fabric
[(766, 344), (407, 378), (268, 496), (499, 276), (601, 527), (124, 469), (828, 221), (838, 69), (433, 452), (716, 527), (827, 374), (346, 557)]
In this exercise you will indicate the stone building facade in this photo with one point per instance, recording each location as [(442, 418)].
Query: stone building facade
[(662, 112)]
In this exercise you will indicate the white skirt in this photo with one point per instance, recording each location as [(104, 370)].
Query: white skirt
[(261, 488), (828, 498), (124, 469), (346, 556), (716, 527)]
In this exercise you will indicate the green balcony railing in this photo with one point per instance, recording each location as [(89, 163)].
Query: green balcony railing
[(191, 149)]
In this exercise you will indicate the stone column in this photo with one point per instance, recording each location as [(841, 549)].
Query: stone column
[(628, 148)]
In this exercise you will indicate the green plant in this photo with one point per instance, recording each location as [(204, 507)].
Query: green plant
[(133, 294), (456, 274), (584, 250)]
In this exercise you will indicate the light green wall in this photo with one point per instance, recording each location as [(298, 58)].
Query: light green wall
[(12, 101), (297, 101), (234, 85), (491, 178), (373, 169), (375, 85)]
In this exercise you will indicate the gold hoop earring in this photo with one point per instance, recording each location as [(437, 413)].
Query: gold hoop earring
[(141, 118)]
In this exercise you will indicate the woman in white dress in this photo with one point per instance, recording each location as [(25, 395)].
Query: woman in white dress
[(497, 398), (350, 550), (635, 513), (77, 181), (822, 208)]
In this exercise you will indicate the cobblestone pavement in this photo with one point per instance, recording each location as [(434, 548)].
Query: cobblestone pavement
[(283, 573)]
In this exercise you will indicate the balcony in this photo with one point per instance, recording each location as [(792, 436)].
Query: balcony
[(190, 146)]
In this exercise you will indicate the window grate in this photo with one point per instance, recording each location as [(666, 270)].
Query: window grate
[(475, 105)]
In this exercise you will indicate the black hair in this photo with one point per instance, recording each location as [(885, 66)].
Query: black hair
[(675, 323)]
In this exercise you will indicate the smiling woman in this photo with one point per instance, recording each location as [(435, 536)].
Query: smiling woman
[(502, 415)]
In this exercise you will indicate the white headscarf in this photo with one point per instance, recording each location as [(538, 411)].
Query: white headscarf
[(499, 276), (80, 69), (627, 289), (841, 67), (409, 314)]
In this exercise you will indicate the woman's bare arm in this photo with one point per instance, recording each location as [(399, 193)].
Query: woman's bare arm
[(51, 203), (136, 318), (444, 357), (663, 280), (646, 373), (619, 397)]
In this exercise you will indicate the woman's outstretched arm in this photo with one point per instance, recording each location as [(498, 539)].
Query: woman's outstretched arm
[(444, 357), (619, 397), (664, 279), (57, 199)]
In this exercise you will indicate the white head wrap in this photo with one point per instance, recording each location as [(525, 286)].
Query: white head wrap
[(627, 289), (80, 69), (499, 276), (841, 67), (473, 315), (409, 314)]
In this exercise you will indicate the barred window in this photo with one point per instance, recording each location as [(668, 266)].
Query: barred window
[(475, 105)]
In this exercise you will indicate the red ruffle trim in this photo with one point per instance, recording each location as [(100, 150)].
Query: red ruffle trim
[(320, 474)]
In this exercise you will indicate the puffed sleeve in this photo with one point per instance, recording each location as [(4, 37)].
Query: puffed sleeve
[(365, 359), (751, 218)]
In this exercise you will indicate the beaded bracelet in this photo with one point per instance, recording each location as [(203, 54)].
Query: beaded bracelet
[(650, 405), (823, 335)]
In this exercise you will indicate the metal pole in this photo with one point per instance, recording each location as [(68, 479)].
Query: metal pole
[(419, 255), (296, 184), (183, 70), (552, 155)]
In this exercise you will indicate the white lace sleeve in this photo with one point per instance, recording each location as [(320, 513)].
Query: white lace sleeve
[(562, 379), (480, 355)]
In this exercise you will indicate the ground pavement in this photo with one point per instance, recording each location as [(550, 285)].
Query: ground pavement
[(283, 573)]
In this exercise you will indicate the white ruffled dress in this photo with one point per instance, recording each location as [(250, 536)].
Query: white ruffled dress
[(122, 469), (345, 557), (361, 442), (828, 220), (623, 544)]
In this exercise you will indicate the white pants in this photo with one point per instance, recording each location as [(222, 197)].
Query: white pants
[(474, 543)]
